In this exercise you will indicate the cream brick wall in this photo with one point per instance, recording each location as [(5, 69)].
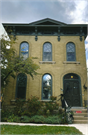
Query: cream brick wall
[(57, 70)]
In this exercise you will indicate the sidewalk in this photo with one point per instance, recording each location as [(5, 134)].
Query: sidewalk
[(81, 127)]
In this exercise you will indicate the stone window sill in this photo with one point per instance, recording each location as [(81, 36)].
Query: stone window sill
[(13, 101), (46, 100), (71, 62), (47, 62)]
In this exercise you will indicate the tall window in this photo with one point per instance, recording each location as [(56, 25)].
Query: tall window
[(47, 52), (46, 86), (21, 86), (24, 49), (70, 47)]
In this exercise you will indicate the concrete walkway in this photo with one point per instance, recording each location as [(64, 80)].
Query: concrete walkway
[(81, 127)]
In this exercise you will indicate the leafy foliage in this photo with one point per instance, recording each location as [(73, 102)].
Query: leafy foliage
[(35, 111), (13, 118), (50, 106), (11, 63), (53, 120), (25, 119), (38, 119), (19, 106), (33, 105), (53, 98), (5, 113), (49, 120)]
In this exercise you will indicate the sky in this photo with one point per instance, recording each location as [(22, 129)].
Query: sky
[(27, 11)]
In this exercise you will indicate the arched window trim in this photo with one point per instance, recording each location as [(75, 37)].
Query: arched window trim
[(43, 51), (42, 86), (16, 96), (20, 48), (72, 76), (78, 79), (74, 52)]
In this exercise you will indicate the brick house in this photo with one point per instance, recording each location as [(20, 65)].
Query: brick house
[(60, 49)]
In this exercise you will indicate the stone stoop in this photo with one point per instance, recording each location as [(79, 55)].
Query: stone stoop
[(80, 118)]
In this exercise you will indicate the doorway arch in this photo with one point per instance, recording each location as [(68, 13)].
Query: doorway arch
[(72, 89)]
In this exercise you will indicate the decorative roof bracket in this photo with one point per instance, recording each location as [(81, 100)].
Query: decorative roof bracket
[(58, 33), (14, 32), (81, 34), (36, 38)]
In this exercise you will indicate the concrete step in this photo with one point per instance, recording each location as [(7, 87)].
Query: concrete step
[(78, 107), (80, 114), (80, 118), (82, 110), (80, 122)]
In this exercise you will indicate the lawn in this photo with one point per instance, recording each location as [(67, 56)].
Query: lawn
[(15, 129)]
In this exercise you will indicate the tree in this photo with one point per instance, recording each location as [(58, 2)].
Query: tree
[(11, 64)]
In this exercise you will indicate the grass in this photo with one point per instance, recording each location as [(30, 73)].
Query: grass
[(15, 129)]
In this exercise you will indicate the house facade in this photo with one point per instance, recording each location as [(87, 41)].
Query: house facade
[(60, 52)]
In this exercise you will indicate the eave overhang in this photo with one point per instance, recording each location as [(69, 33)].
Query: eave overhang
[(46, 27)]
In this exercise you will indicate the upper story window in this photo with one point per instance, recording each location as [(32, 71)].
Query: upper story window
[(47, 52), (24, 50), (70, 48)]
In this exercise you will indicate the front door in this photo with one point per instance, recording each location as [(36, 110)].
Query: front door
[(72, 89)]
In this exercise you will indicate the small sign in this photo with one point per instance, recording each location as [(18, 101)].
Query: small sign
[(78, 111)]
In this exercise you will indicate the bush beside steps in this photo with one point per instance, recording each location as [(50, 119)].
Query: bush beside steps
[(36, 119)]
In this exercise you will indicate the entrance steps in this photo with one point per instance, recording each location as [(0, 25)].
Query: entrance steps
[(80, 115)]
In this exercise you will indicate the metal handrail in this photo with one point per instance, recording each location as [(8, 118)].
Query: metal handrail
[(67, 108)]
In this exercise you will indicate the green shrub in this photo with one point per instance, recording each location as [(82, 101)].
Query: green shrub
[(52, 120), (34, 105), (5, 113), (49, 107), (13, 118), (63, 118), (48, 120), (16, 119), (25, 119), (37, 119), (25, 112), (19, 106), (53, 98)]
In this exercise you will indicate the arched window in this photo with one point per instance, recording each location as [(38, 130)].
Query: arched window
[(70, 48), (46, 86), (21, 86), (24, 49), (47, 52)]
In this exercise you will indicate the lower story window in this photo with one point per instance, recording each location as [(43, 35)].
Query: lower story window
[(46, 86), (21, 86)]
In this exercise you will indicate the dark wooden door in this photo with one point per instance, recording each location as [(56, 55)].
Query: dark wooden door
[(72, 92)]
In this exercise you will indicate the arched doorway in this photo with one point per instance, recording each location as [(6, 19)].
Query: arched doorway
[(72, 89)]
